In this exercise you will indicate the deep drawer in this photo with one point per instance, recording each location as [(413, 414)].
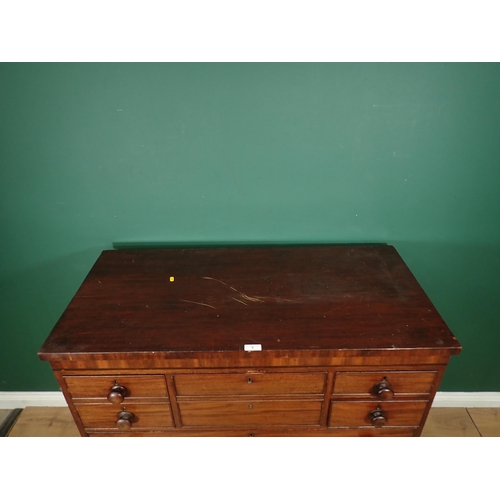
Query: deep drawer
[(401, 382), (105, 416), (358, 414), (250, 413), (136, 386), (250, 384)]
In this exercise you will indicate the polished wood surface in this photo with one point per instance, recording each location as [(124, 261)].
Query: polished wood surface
[(316, 298), (250, 384), (133, 386), (154, 342), (374, 383), (441, 422), (106, 416), (356, 413), (251, 412)]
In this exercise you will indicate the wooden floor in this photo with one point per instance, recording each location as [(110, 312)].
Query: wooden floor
[(442, 422)]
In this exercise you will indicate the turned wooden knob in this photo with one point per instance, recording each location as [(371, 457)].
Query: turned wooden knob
[(117, 394), (125, 420), (377, 417), (383, 390)]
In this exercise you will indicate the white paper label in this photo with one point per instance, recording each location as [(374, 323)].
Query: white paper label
[(252, 347)]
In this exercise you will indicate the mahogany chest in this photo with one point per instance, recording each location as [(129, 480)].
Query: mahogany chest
[(317, 340)]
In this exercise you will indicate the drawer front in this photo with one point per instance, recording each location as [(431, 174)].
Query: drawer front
[(357, 414), (250, 384), (136, 386), (105, 416), (250, 413), (401, 382)]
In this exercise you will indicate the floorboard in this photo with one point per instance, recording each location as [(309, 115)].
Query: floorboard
[(449, 422), (36, 421), (487, 421)]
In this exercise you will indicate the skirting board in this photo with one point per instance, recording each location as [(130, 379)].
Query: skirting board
[(10, 400), (467, 400)]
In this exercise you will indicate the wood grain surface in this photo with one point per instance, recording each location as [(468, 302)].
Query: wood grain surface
[(285, 298), (451, 422), (36, 421), (441, 422), (487, 421)]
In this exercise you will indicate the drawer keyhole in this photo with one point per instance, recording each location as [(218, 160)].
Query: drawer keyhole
[(250, 407), (249, 380)]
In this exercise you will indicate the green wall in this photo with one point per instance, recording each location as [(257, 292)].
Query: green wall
[(93, 155)]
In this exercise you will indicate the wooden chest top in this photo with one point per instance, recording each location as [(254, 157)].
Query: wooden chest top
[(322, 298)]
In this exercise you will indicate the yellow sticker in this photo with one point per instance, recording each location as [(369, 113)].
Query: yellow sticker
[(171, 278)]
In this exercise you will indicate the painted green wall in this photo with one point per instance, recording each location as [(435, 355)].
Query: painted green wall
[(97, 154)]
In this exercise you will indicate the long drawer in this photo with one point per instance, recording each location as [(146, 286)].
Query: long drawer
[(250, 413), (250, 384)]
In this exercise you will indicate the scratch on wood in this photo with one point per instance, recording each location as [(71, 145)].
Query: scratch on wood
[(215, 279), (251, 299), (260, 298), (335, 309), (244, 296), (240, 301), (199, 303)]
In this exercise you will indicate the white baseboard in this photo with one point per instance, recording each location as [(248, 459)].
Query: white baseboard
[(11, 400), (467, 400)]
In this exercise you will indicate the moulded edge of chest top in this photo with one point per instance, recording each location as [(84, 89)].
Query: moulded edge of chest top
[(247, 359)]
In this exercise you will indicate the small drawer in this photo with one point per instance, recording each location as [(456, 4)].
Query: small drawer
[(384, 384), (376, 414), (250, 384), (141, 416), (129, 386), (250, 413)]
